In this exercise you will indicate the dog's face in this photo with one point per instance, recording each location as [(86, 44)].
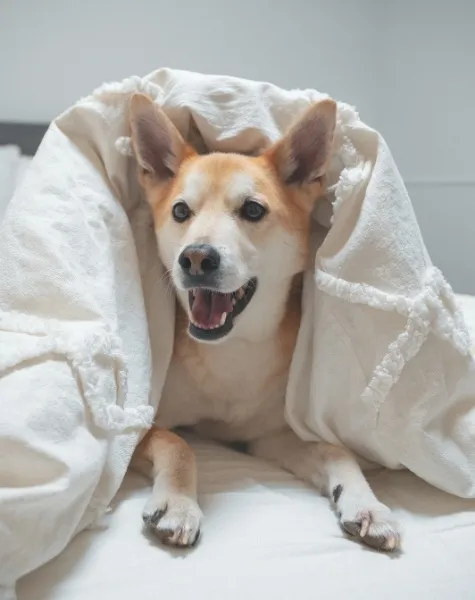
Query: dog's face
[(231, 229)]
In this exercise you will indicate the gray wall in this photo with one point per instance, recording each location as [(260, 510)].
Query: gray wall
[(425, 74), (407, 66)]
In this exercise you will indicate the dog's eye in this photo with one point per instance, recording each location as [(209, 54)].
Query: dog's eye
[(181, 212), (252, 211)]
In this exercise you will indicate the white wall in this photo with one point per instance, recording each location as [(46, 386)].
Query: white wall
[(54, 51), (407, 66)]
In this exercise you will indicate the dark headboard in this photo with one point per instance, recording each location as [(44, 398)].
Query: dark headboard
[(25, 135)]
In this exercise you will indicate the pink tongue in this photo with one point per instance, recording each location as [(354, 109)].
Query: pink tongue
[(208, 307)]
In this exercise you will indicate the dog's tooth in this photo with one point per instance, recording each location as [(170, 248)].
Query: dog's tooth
[(223, 318), (240, 293)]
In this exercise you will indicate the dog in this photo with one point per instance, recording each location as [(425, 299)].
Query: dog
[(233, 232)]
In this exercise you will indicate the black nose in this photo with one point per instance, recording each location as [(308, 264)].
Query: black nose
[(199, 259)]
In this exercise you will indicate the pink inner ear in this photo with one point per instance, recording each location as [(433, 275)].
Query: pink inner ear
[(158, 145), (154, 146), (309, 149), (306, 148)]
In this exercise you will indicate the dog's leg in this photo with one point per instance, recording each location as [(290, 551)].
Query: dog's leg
[(172, 511), (335, 472)]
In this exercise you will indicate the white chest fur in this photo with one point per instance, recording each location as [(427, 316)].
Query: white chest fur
[(231, 391)]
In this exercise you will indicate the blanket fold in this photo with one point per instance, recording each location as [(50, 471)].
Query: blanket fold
[(383, 360)]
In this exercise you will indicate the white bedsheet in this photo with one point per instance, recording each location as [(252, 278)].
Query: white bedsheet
[(267, 535)]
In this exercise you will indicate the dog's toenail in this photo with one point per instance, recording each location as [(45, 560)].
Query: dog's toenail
[(197, 538), (152, 518), (337, 491)]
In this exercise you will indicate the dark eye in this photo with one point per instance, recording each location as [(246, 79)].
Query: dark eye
[(252, 211), (181, 212)]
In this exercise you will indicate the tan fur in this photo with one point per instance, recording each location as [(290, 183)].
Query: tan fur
[(235, 389), (290, 207), (168, 452), (170, 462)]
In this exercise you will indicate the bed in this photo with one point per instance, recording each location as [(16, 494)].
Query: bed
[(265, 534)]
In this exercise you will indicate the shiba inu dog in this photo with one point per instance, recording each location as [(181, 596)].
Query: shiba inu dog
[(233, 233)]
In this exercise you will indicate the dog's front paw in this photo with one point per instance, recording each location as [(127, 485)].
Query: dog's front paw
[(175, 519), (372, 523)]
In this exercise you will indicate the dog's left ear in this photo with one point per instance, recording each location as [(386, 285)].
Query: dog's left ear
[(301, 156)]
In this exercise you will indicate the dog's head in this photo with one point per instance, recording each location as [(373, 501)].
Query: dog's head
[(232, 229)]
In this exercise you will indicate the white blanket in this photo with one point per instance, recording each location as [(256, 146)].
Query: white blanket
[(382, 362)]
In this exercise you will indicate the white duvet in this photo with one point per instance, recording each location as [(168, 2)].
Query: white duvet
[(382, 363)]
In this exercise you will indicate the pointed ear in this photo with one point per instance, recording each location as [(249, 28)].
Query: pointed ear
[(301, 156), (158, 146)]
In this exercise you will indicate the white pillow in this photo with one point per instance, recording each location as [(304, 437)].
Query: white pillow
[(22, 167), (9, 160)]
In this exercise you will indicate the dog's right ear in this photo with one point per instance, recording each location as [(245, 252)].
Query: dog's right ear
[(301, 157), (158, 146)]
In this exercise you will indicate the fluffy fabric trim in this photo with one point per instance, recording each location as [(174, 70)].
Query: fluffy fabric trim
[(434, 310), (84, 351), (355, 171)]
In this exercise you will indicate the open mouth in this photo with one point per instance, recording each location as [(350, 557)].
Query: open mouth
[(212, 313)]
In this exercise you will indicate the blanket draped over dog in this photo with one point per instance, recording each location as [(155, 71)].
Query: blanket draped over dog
[(382, 362)]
